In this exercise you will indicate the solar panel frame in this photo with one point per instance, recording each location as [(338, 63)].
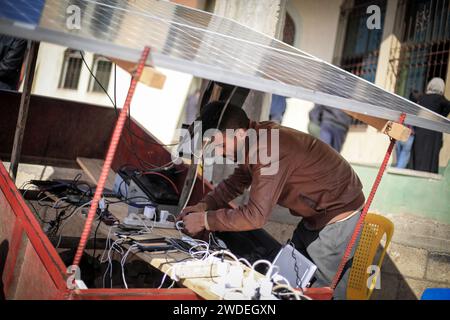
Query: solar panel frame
[(216, 48)]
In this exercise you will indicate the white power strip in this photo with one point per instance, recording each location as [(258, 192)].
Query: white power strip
[(236, 285), (200, 269), (144, 222)]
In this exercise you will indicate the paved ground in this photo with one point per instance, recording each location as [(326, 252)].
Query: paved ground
[(418, 257)]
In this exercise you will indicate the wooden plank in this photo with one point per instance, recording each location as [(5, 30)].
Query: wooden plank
[(200, 286), (164, 261), (160, 261), (93, 169), (390, 128), (33, 49), (150, 76)]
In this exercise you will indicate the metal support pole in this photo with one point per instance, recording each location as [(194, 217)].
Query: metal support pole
[(191, 175), (33, 49), (108, 161)]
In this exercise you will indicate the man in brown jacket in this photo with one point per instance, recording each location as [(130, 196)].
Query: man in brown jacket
[(311, 179)]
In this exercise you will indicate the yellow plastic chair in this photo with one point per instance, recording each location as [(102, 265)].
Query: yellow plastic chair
[(375, 227)]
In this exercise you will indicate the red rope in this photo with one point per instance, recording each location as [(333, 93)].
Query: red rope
[(366, 207), (109, 158)]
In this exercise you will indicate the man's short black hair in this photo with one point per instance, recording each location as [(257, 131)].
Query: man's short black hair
[(233, 117)]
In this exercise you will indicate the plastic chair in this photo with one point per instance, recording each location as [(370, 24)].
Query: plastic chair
[(375, 227)]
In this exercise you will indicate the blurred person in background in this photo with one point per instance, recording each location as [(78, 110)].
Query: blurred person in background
[(314, 121), (334, 125), (427, 143), (277, 108), (12, 52), (403, 148)]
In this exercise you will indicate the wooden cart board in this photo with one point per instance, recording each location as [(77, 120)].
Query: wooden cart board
[(162, 261)]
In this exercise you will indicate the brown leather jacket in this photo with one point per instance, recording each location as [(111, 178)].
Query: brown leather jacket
[(313, 181)]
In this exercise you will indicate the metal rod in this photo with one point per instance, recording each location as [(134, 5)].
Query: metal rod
[(365, 210), (33, 49), (108, 160), (191, 175)]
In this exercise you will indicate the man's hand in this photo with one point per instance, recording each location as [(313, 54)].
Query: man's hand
[(201, 206), (194, 223)]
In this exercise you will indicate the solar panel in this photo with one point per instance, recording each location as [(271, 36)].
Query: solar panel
[(207, 46)]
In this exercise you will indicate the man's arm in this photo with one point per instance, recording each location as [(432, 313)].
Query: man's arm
[(228, 189), (264, 193)]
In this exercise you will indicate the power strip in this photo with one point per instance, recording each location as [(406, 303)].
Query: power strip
[(144, 222), (237, 286), (201, 269)]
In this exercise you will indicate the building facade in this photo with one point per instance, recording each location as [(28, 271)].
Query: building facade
[(410, 47)]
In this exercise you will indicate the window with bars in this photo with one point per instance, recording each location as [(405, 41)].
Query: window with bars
[(425, 44), (102, 71), (361, 44), (71, 70)]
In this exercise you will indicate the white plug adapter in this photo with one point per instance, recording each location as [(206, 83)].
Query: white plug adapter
[(234, 277)]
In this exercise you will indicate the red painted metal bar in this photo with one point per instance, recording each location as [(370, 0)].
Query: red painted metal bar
[(47, 270), (134, 294), (365, 209), (109, 157), (40, 242), (16, 241)]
